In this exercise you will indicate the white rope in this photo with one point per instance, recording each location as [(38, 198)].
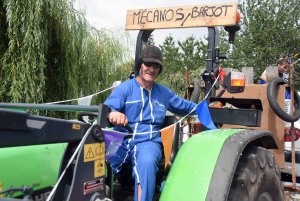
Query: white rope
[(81, 97), (200, 101), (70, 161), (148, 132), (86, 134), (143, 132)]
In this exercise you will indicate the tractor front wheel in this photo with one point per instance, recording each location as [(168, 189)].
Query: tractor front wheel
[(257, 177)]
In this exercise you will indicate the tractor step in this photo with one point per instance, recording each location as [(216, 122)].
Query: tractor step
[(290, 183), (289, 171)]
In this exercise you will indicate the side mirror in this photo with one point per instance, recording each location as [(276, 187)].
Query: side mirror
[(234, 82)]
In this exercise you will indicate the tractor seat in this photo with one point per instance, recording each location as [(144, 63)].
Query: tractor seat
[(124, 177)]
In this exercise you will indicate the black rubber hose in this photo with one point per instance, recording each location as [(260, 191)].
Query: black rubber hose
[(271, 94), (196, 91), (24, 189), (27, 198)]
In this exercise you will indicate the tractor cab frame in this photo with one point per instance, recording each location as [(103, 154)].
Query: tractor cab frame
[(237, 166)]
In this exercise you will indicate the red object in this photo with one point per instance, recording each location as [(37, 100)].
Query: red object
[(288, 135), (238, 17), (197, 128), (222, 74)]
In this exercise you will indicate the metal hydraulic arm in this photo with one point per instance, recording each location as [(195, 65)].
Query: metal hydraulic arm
[(213, 54)]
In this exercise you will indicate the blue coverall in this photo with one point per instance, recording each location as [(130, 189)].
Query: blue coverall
[(145, 111)]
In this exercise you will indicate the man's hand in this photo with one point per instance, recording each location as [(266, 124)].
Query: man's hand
[(118, 119)]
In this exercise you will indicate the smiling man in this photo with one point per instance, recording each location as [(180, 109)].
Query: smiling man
[(142, 104)]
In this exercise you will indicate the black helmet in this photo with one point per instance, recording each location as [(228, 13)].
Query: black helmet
[(149, 54)]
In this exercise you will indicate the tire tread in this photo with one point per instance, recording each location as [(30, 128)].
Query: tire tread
[(256, 173)]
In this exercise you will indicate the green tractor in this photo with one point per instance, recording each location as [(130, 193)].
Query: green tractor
[(45, 158)]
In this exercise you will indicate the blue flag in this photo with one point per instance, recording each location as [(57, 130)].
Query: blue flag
[(204, 115)]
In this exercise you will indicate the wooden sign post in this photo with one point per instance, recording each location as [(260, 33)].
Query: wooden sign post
[(183, 16)]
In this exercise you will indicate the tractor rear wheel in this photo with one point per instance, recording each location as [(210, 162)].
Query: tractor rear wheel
[(257, 177), (280, 112)]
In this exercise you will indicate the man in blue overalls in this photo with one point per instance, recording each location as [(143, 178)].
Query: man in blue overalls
[(142, 104)]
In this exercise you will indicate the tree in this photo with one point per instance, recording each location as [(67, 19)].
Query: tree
[(189, 53), (268, 30), (192, 52), (171, 63), (151, 40), (49, 52), (171, 54)]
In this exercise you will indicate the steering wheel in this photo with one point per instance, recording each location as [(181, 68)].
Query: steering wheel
[(91, 116), (128, 128)]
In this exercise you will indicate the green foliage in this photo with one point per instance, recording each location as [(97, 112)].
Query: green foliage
[(171, 54), (151, 40), (49, 52), (189, 53), (193, 52), (269, 30), (173, 69)]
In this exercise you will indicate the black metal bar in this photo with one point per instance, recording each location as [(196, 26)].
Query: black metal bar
[(102, 115), (211, 66), (213, 42), (18, 128), (37, 129), (56, 107)]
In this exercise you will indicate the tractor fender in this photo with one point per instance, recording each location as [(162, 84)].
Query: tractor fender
[(229, 156), (205, 164)]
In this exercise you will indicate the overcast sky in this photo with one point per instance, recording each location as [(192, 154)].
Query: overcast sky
[(112, 13)]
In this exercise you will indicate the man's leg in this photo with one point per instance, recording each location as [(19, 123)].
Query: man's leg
[(145, 158)]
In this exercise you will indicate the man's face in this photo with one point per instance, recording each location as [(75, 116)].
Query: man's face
[(282, 68), (149, 71)]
